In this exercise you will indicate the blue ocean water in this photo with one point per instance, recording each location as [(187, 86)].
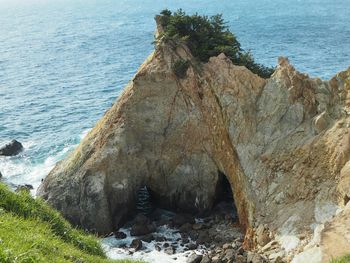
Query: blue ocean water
[(63, 63)]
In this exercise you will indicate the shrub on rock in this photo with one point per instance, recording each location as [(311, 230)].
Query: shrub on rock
[(207, 37)]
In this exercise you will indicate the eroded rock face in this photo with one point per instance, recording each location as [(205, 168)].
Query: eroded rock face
[(283, 143)]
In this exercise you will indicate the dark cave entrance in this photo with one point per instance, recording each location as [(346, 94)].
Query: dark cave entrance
[(224, 204), (224, 200)]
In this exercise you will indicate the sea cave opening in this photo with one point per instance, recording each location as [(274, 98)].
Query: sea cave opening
[(168, 229), (224, 200), (147, 202)]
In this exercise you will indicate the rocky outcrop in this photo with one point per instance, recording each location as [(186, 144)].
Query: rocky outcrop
[(12, 148), (283, 144)]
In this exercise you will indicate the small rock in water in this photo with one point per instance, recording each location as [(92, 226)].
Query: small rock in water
[(119, 235), (169, 250), (157, 248), (166, 245), (0, 175), (185, 240), (194, 258), (192, 246), (12, 148), (147, 238), (136, 244)]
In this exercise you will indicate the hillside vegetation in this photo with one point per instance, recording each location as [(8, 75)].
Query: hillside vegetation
[(206, 37), (31, 231)]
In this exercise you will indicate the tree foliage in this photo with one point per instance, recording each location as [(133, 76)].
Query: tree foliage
[(208, 36), (180, 68)]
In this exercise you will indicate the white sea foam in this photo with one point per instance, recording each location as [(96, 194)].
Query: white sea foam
[(149, 254), (22, 170), (26, 169)]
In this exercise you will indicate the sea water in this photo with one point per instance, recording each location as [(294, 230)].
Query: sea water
[(63, 63)]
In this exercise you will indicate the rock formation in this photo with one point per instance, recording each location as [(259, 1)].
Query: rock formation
[(12, 148), (283, 144)]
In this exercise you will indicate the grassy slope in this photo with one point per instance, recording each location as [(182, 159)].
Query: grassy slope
[(31, 231), (344, 259)]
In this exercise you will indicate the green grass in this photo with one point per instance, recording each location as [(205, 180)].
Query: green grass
[(343, 259), (31, 231)]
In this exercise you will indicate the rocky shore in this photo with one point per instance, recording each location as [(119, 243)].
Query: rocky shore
[(217, 238), (214, 238)]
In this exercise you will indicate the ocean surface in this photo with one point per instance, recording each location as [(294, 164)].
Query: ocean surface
[(63, 63)]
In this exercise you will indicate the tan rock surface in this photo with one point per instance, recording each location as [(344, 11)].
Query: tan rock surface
[(335, 238)]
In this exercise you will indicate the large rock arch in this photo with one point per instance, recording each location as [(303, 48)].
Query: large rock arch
[(164, 132), (283, 144)]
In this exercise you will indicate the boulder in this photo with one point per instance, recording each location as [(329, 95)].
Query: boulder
[(141, 219), (198, 226), (181, 219), (170, 250), (157, 247), (254, 258), (12, 148), (147, 238), (194, 258), (262, 236), (230, 254), (205, 259), (136, 244), (203, 238), (192, 246), (185, 228), (141, 230)]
